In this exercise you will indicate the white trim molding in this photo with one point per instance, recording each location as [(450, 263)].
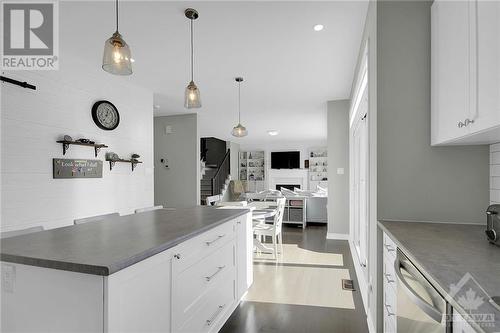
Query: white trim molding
[(333, 235)]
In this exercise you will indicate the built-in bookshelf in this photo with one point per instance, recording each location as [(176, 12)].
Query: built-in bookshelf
[(318, 167), (252, 165)]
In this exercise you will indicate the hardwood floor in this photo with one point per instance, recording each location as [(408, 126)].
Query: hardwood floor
[(302, 291)]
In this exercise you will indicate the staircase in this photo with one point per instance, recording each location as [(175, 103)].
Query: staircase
[(215, 179)]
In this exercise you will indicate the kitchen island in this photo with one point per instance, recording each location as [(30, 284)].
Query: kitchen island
[(164, 270), (455, 259)]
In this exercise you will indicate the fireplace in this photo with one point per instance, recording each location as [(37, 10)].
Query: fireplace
[(287, 186)]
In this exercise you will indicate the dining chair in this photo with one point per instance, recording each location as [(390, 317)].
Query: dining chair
[(270, 195), (148, 209), (212, 200), (95, 218), (273, 230), (8, 234)]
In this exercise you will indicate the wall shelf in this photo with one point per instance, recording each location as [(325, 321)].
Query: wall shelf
[(132, 162), (66, 144), (318, 167)]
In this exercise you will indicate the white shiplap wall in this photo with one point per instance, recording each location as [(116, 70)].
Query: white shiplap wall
[(495, 173), (31, 122)]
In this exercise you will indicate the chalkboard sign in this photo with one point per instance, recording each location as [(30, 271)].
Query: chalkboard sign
[(73, 168)]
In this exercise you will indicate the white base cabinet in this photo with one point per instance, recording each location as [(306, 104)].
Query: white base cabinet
[(465, 72), (192, 287), (138, 298)]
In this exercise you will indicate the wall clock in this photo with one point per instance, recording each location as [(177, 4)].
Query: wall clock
[(105, 115)]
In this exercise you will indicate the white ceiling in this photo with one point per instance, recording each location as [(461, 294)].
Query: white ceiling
[(290, 71)]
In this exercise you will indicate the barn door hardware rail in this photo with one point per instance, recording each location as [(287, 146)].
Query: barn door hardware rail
[(17, 83)]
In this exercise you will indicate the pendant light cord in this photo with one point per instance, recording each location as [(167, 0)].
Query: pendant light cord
[(116, 15), (239, 102), (192, 52)]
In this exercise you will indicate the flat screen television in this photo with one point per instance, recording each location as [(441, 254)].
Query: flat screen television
[(285, 160)]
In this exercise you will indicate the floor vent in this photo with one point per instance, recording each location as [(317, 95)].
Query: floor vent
[(347, 284)]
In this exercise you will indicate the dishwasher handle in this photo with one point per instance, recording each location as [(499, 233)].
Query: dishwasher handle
[(430, 310)]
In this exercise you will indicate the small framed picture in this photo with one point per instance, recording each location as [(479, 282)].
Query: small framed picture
[(306, 164)]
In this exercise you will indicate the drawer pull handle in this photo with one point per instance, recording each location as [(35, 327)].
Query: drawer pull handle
[(387, 277), (177, 256), (219, 269), (215, 240), (468, 121), (215, 315), (389, 313)]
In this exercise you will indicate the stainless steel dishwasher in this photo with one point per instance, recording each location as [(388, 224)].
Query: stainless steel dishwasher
[(420, 308)]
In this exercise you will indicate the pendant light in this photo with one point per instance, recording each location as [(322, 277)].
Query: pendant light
[(192, 97), (117, 58), (239, 130)]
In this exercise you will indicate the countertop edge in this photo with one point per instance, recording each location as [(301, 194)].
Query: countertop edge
[(99, 270), (428, 276), (166, 246)]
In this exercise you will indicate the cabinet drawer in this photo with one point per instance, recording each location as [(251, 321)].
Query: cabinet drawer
[(389, 324), (389, 247), (191, 284), (200, 246), (390, 309), (212, 309), (389, 273)]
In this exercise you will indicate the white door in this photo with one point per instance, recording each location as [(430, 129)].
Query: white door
[(451, 69), (360, 182), (488, 65)]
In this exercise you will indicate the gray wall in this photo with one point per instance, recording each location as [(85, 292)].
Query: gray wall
[(417, 181), (338, 157), (177, 186)]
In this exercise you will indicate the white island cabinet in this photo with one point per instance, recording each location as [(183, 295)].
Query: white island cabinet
[(191, 287)]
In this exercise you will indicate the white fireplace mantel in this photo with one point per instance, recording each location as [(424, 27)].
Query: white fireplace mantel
[(288, 177)]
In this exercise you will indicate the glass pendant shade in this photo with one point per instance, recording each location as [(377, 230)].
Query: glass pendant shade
[(239, 131), (117, 58), (192, 96)]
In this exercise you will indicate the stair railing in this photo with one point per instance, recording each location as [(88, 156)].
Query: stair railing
[(221, 174)]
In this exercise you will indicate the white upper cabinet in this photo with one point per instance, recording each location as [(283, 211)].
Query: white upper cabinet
[(488, 66), (450, 69), (465, 72)]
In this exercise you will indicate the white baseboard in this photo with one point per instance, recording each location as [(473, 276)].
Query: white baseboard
[(333, 235)]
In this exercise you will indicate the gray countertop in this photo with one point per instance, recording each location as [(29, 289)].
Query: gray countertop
[(105, 247), (446, 254)]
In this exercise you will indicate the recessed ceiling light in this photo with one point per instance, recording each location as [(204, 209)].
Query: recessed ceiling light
[(318, 27), (273, 132)]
